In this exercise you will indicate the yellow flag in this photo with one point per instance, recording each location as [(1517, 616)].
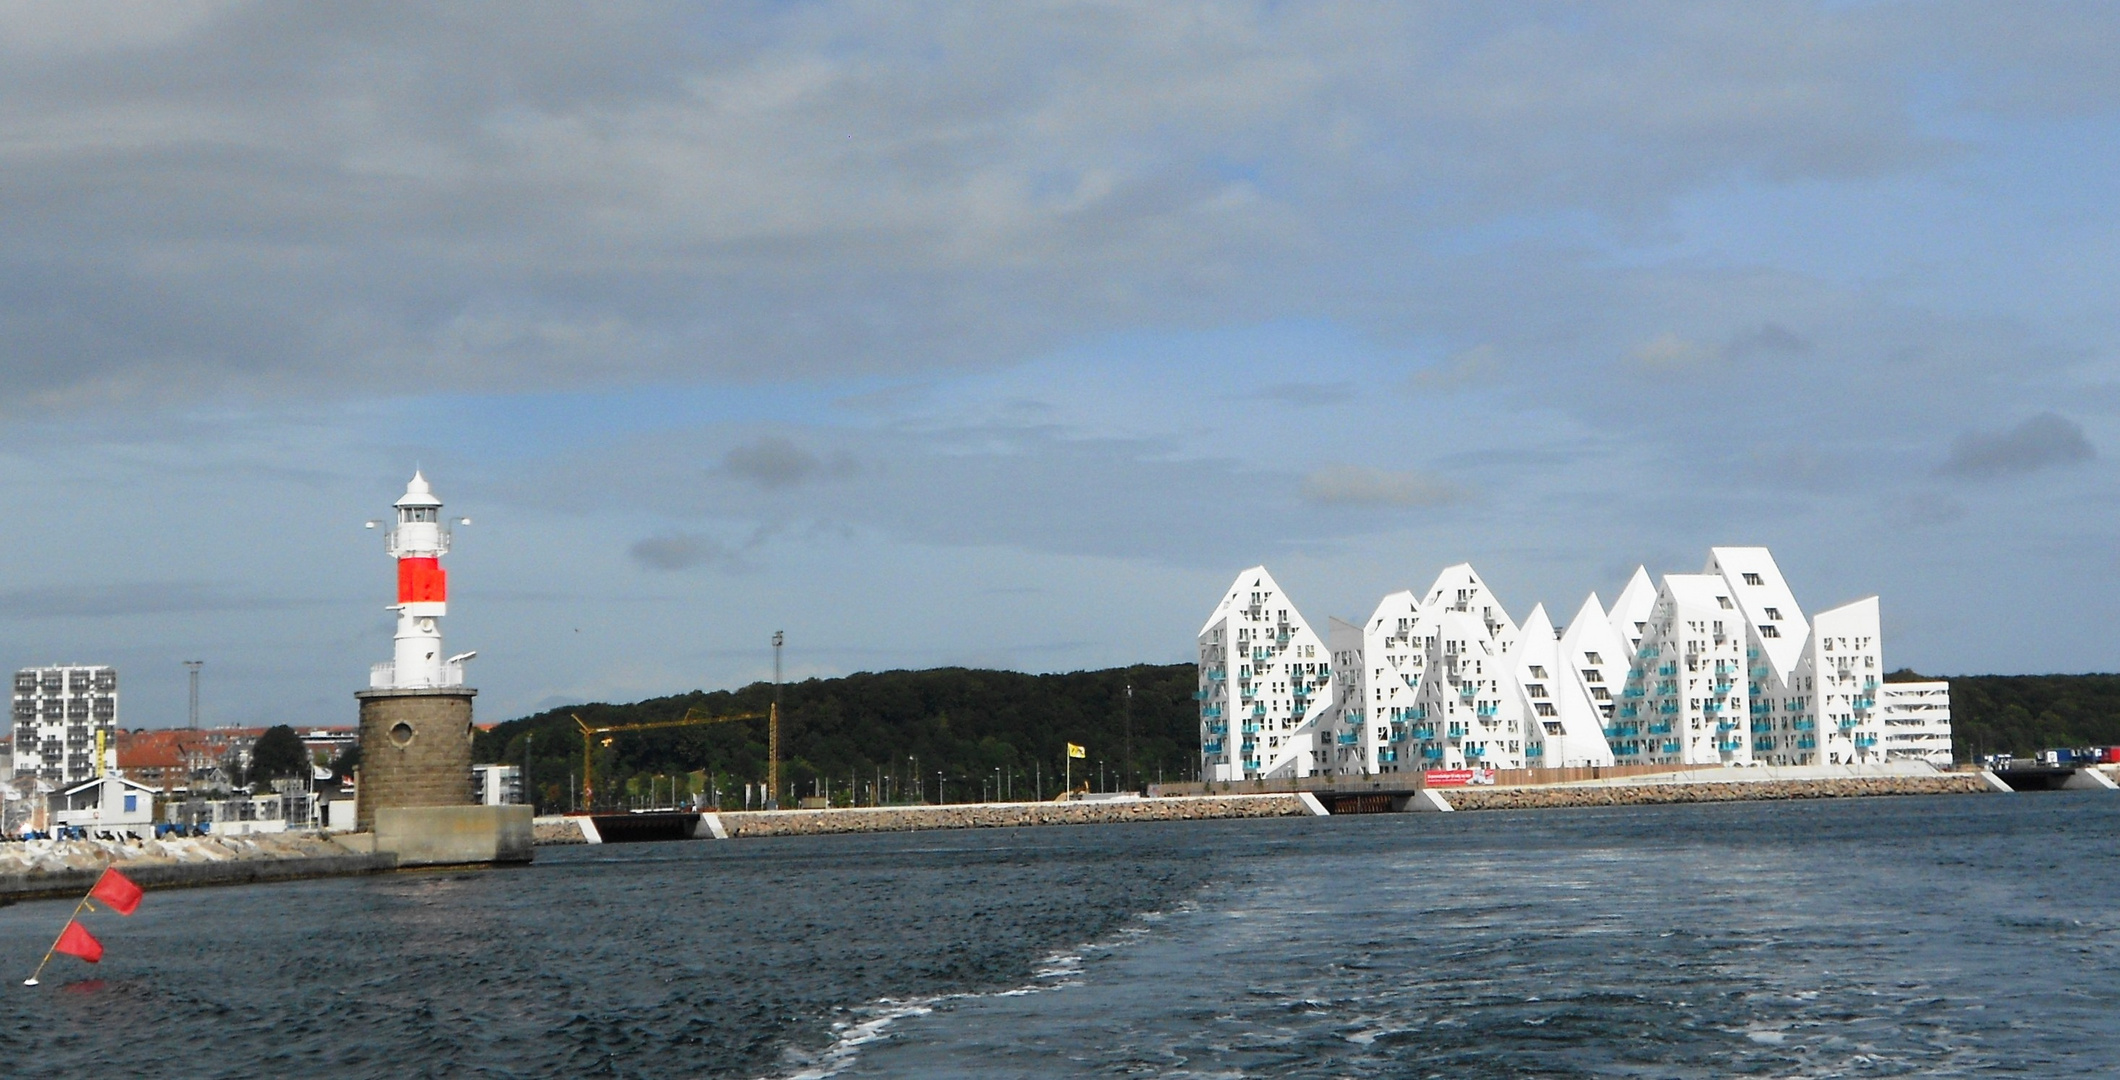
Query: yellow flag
[(1076, 751)]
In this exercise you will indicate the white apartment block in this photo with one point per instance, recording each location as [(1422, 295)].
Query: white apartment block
[(59, 712), (1715, 668), (1265, 684), (1916, 720)]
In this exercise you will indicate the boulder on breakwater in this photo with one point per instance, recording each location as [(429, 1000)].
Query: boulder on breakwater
[(1652, 794)]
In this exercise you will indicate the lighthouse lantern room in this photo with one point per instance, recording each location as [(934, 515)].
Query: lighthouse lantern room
[(418, 541)]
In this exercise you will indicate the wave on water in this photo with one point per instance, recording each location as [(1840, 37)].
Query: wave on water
[(871, 1023)]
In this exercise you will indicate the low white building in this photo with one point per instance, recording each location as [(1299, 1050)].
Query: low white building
[(109, 805), (497, 785), (1915, 719)]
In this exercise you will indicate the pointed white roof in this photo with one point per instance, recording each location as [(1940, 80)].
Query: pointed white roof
[(418, 492), (1538, 628), (1734, 564), (1632, 607), (1250, 581)]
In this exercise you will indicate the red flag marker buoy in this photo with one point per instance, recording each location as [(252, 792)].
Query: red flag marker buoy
[(118, 893), (75, 940)]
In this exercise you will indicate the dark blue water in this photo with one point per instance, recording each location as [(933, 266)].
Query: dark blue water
[(1937, 936)]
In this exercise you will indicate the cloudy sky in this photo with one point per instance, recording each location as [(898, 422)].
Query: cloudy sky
[(1007, 334)]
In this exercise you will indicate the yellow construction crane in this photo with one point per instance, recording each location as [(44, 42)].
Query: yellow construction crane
[(691, 719)]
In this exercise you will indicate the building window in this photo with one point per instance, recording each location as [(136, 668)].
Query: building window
[(1769, 631), (1754, 579)]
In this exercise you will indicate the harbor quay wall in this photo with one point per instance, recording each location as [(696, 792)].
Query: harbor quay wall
[(39, 869), (1652, 794), (1642, 791)]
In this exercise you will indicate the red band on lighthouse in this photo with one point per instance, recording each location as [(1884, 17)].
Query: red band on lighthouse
[(422, 581)]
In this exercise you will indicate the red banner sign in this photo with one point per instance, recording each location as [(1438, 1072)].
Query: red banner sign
[(1457, 777)]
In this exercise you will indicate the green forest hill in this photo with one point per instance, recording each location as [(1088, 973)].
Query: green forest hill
[(980, 728), (975, 727)]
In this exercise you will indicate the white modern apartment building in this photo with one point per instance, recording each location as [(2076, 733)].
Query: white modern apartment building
[(63, 714), (1265, 682), (1716, 668), (1915, 718)]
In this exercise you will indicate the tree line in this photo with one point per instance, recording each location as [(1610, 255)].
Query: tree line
[(2023, 714), (954, 734)]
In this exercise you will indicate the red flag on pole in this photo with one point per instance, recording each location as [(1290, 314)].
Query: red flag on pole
[(77, 941), (116, 891)]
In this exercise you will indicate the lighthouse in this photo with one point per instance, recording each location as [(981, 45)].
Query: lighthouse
[(416, 727), (418, 541)]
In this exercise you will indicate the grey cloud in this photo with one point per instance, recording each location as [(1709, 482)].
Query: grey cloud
[(295, 198), (683, 551), (1357, 485), (1769, 338), (1307, 395), (1924, 509), (138, 598), (772, 462), (2039, 442)]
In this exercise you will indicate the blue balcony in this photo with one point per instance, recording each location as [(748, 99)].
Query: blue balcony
[(1350, 738), (1387, 756), (1211, 711), (1866, 740), (1432, 753), (1211, 746), (1763, 744), (1630, 711), (1622, 731), (1726, 726), (1804, 725), (1646, 652), (1672, 748), (1486, 710), (1424, 731), (1761, 727), (1251, 729), (1667, 670), (1633, 692), (1475, 752), (1807, 743), (1729, 745), (1847, 723), (1217, 674), (1626, 750), (1468, 691), (1455, 731), (1218, 729), (1660, 729), (1865, 703), (1534, 750), (1667, 708)]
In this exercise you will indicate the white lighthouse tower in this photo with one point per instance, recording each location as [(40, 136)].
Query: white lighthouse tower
[(418, 543)]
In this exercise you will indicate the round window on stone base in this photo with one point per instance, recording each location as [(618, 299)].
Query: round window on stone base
[(401, 733)]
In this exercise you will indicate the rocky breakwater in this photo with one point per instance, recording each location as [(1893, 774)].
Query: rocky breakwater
[(745, 825), (1650, 794), (30, 869), (750, 824)]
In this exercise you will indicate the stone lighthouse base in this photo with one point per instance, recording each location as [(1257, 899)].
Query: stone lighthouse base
[(415, 782)]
